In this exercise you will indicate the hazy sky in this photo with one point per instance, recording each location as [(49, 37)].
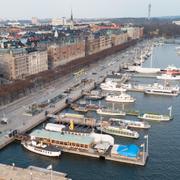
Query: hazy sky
[(21, 9)]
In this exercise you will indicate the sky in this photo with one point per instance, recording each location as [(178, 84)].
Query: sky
[(25, 9)]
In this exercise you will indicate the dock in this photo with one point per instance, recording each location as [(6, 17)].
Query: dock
[(32, 172)]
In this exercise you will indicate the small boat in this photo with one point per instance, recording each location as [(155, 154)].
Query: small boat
[(112, 86), (158, 89), (157, 117), (122, 98), (133, 124), (41, 149), (94, 95), (110, 112), (78, 108), (172, 70), (119, 131), (168, 77)]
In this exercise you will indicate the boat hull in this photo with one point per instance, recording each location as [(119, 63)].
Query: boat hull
[(41, 151)]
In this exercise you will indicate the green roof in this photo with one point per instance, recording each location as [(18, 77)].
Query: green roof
[(62, 137)]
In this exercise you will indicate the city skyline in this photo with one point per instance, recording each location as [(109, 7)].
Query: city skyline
[(87, 9)]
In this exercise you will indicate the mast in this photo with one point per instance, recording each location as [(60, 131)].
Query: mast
[(151, 62)]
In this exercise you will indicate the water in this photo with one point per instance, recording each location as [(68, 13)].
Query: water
[(164, 143)]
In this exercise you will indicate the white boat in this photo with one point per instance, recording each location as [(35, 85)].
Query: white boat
[(119, 131), (171, 69), (158, 89), (122, 98), (147, 70), (41, 149), (133, 124), (110, 112), (178, 48), (111, 86), (155, 117), (168, 77)]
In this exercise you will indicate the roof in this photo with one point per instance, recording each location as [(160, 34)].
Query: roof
[(62, 137), (128, 150)]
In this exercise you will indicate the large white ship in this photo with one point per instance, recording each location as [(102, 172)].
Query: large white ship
[(158, 89)]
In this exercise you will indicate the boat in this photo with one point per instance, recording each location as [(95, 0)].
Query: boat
[(122, 98), (168, 77), (94, 95), (158, 89), (110, 112), (172, 70), (157, 117), (144, 70), (118, 131), (148, 70), (78, 108), (133, 124), (112, 86), (154, 117), (41, 149)]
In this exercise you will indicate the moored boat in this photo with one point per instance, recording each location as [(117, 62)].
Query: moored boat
[(168, 77), (41, 149), (158, 89), (122, 98), (112, 86), (119, 131), (155, 117), (132, 124), (110, 112)]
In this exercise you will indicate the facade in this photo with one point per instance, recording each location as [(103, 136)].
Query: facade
[(97, 44), (134, 32), (59, 54), (18, 63), (118, 39), (58, 21), (34, 21)]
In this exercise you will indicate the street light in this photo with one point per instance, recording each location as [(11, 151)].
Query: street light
[(31, 175), (147, 144), (142, 145)]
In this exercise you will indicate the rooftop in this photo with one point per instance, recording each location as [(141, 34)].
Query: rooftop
[(62, 137)]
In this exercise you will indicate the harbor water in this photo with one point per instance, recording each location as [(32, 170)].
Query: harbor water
[(164, 144)]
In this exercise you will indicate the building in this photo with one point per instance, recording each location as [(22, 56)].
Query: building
[(58, 21), (120, 38), (134, 32), (176, 22), (62, 53), (34, 21), (96, 44), (19, 63)]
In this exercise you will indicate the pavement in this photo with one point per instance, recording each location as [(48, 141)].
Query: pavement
[(16, 173)]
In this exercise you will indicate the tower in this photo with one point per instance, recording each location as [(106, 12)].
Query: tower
[(149, 11), (71, 16)]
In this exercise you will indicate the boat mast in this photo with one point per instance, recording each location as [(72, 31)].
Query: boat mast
[(151, 62)]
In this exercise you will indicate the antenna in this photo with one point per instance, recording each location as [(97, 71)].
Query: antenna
[(149, 11)]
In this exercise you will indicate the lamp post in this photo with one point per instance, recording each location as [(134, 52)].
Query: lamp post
[(147, 144), (143, 146), (31, 175)]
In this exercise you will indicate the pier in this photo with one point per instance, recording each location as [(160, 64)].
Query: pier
[(32, 172)]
